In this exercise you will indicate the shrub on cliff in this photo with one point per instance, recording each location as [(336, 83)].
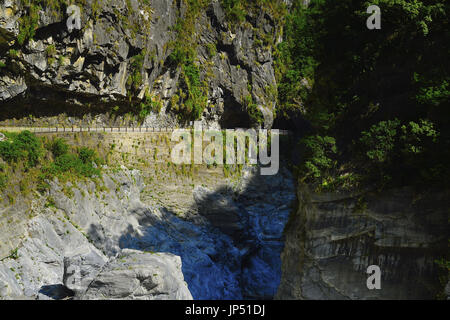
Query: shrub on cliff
[(22, 146), (58, 147), (27, 163), (84, 163), (383, 95)]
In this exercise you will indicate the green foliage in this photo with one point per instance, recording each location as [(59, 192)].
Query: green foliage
[(389, 143), (28, 23), (417, 137), (150, 104), (135, 79), (3, 180), (431, 92), (86, 155), (191, 101), (193, 97), (234, 10), (295, 59), (317, 152), (212, 50), (51, 53), (50, 203), (197, 91), (184, 46), (13, 53), (14, 254), (444, 273), (51, 50), (69, 164), (23, 146), (255, 114), (380, 140), (29, 164), (382, 94), (58, 147)]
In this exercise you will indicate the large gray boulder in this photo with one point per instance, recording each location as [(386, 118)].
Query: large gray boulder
[(66, 249), (81, 267), (139, 275)]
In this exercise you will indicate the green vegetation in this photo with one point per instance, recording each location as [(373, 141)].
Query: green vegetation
[(51, 53), (23, 146), (317, 152), (29, 162), (378, 105), (237, 10), (13, 53), (192, 98), (29, 22), (150, 104), (212, 49), (135, 79), (197, 98), (444, 266), (256, 116), (58, 147), (79, 164)]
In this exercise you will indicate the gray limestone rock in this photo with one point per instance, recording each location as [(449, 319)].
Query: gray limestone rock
[(141, 276), (332, 239), (81, 267), (93, 65)]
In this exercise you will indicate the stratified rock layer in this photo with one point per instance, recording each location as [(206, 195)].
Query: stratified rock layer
[(332, 239)]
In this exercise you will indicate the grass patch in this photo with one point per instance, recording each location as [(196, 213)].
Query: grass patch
[(30, 162)]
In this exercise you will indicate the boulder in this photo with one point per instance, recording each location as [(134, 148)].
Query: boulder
[(81, 267), (139, 275)]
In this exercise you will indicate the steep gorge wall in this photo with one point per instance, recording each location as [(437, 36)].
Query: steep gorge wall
[(121, 57), (331, 239), (223, 232)]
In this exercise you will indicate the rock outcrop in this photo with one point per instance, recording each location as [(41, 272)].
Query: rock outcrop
[(61, 258), (81, 267), (102, 242), (332, 239), (138, 275), (121, 56)]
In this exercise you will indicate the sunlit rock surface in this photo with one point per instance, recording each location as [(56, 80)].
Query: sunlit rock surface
[(80, 248)]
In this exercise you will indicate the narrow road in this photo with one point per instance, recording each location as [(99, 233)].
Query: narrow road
[(103, 129)]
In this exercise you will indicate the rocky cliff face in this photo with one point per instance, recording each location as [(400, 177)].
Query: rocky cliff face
[(60, 257), (122, 57), (130, 56), (102, 242), (332, 239)]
